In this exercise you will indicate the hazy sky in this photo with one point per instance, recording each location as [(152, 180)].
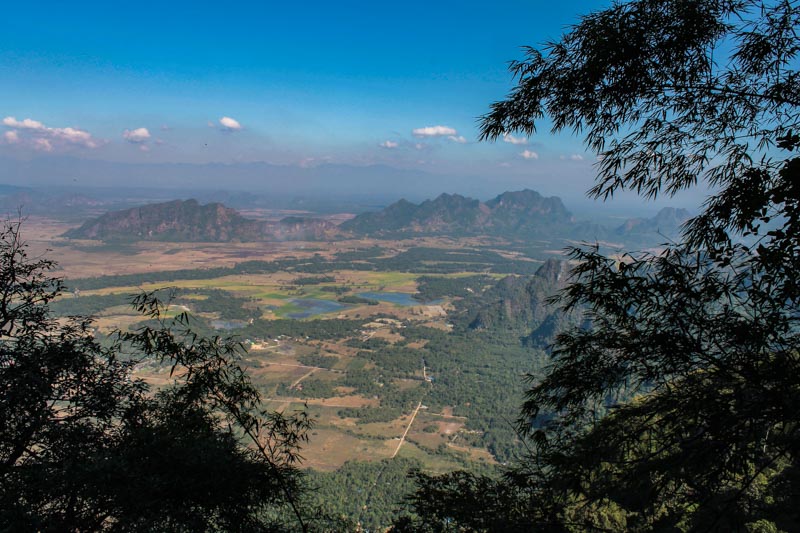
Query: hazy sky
[(300, 83)]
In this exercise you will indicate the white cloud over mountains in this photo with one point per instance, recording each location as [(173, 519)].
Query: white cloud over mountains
[(45, 138), (230, 124)]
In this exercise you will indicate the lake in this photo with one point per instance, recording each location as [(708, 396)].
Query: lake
[(397, 298), (313, 306)]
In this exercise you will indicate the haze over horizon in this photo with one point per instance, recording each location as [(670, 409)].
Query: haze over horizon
[(376, 99)]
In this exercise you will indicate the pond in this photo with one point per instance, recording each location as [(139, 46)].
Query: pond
[(312, 306), (397, 298)]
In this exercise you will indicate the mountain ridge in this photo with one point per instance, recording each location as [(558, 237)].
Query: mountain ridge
[(189, 221), (521, 215), (510, 213)]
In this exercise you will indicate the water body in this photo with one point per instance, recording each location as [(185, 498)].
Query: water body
[(398, 298), (313, 306)]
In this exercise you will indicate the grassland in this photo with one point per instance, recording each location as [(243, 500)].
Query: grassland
[(275, 364)]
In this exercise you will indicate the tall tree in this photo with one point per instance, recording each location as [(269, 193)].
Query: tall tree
[(85, 446), (679, 407)]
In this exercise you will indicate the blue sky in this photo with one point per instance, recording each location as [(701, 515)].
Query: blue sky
[(303, 83)]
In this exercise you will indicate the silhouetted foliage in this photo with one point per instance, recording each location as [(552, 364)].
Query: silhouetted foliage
[(86, 446), (677, 408)]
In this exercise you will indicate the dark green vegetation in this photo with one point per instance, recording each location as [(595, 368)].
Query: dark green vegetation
[(316, 329), (431, 288), (358, 300), (314, 280), (74, 305), (323, 361), (214, 301), (370, 494), (85, 446), (676, 407)]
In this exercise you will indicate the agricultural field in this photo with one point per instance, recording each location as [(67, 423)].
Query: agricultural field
[(339, 329)]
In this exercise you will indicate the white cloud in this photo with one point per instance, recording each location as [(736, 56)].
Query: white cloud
[(137, 136), (74, 136), (43, 144), (26, 124), (528, 154), (44, 136), (576, 157), (11, 137), (419, 146), (389, 144), (230, 124), (434, 131), (457, 139), (505, 164), (508, 138)]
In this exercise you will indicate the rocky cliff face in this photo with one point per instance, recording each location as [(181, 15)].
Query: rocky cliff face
[(519, 303)]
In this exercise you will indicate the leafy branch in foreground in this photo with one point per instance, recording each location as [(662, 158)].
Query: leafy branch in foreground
[(84, 445), (677, 407)]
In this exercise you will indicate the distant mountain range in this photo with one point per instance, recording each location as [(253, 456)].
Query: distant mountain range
[(514, 214), (667, 222), (519, 215), (30, 201), (187, 220)]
